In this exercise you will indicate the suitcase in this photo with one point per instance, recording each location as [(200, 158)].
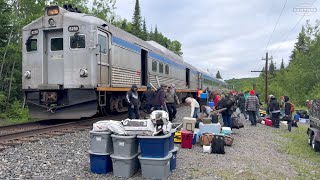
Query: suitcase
[(186, 139), (217, 144), (267, 122)]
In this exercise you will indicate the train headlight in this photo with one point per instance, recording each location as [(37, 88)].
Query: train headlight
[(51, 11), (51, 22), (83, 72), (27, 74)]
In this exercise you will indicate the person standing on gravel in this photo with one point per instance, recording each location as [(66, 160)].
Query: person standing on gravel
[(274, 109), (132, 99), (242, 105), (171, 100), (251, 106), (147, 98)]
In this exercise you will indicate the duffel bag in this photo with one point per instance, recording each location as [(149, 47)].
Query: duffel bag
[(205, 139), (217, 144), (228, 140)]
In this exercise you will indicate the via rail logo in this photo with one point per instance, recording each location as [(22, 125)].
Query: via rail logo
[(305, 10)]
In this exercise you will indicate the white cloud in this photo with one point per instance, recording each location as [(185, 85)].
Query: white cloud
[(229, 36)]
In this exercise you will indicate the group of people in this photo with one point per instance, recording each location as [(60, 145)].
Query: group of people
[(164, 98), (249, 105)]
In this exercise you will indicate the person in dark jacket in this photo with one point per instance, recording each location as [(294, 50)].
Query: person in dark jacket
[(132, 98), (226, 114), (287, 112), (147, 98), (159, 99), (242, 104), (274, 109)]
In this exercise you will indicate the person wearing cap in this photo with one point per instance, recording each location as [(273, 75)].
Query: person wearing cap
[(159, 98), (171, 100), (252, 104), (132, 98), (147, 98)]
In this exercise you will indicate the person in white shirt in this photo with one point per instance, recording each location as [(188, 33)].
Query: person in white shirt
[(194, 107)]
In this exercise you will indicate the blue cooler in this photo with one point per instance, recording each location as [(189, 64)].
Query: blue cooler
[(296, 117), (203, 95), (173, 160), (154, 146), (171, 140), (100, 163), (211, 104)]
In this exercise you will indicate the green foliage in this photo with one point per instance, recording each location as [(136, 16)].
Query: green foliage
[(303, 158), (15, 113), (282, 65)]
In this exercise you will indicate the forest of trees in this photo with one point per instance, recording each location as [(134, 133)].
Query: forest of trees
[(17, 13), (300, 80)]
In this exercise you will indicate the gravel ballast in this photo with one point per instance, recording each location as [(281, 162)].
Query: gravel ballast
[(254, 154)]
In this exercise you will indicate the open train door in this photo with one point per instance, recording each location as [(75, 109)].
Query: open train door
[(188, 78), (199, 80), (144, 67)]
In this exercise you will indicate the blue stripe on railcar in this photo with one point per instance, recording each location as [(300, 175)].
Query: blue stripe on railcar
[(126, 44)]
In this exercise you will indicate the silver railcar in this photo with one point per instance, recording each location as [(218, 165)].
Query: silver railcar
[(75, 65)]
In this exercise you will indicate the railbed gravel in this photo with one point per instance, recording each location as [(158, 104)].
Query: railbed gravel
[(254, 155)]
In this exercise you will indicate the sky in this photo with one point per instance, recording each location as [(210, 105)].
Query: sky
[(227, 35)]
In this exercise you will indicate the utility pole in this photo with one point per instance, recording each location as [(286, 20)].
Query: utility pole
[(266, 75)]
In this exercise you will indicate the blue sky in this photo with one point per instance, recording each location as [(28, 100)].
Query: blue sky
[(226, 35)]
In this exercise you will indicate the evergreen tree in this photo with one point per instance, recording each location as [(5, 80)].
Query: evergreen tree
[(282, 65), (156, 34), (145, 31), (218, 76), (136, 20), (272, 67), (302, 45)]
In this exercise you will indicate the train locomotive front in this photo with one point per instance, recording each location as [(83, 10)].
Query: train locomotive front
[(59, 56)]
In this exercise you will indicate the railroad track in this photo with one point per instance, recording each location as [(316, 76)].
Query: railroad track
[(30, 132)]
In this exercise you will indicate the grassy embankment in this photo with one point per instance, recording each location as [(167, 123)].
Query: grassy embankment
[(302, 157)]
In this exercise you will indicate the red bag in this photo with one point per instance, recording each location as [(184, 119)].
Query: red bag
[(267, 122), (186, 139)]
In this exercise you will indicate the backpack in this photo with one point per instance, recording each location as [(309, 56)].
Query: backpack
[(291, 107), (222, 103), (230, 101), (236, 122), (206, 139), (217, 144)]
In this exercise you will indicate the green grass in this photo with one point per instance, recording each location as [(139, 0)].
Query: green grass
[(303, 158)]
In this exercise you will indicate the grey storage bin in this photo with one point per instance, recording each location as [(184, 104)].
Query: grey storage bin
[(101, 142), (124, 146), (155, 168), (125, 167)]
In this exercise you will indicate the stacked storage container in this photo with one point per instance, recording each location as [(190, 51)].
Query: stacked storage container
[(125, 157), (155, 156), (100, 151)]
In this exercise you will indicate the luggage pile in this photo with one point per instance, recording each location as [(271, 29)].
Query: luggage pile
[(124, 147), (211, 136)]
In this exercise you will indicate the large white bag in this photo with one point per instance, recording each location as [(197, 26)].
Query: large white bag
[(109, 125)]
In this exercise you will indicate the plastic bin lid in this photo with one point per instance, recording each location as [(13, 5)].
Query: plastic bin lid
[(123, 136), (99, 154), (155, 137), (156, 159), (100, 132), (124, 158), (175, 149)]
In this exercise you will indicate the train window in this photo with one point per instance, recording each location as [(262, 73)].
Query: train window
[(102, 40), (160, 68), (167, 69), (56, 44), (77, 41), (31, 45), (154, 66)]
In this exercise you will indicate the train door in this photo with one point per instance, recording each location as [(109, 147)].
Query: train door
[(103, 57), (187, 77), (199, 80), (144, 67), (54, 64)]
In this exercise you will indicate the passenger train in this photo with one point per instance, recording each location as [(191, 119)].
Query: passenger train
[(76, 65)]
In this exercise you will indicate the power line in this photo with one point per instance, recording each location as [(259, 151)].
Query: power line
[(274, 28), (285, 39)]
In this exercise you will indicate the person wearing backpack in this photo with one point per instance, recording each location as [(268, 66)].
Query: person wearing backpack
[(288, 109)]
